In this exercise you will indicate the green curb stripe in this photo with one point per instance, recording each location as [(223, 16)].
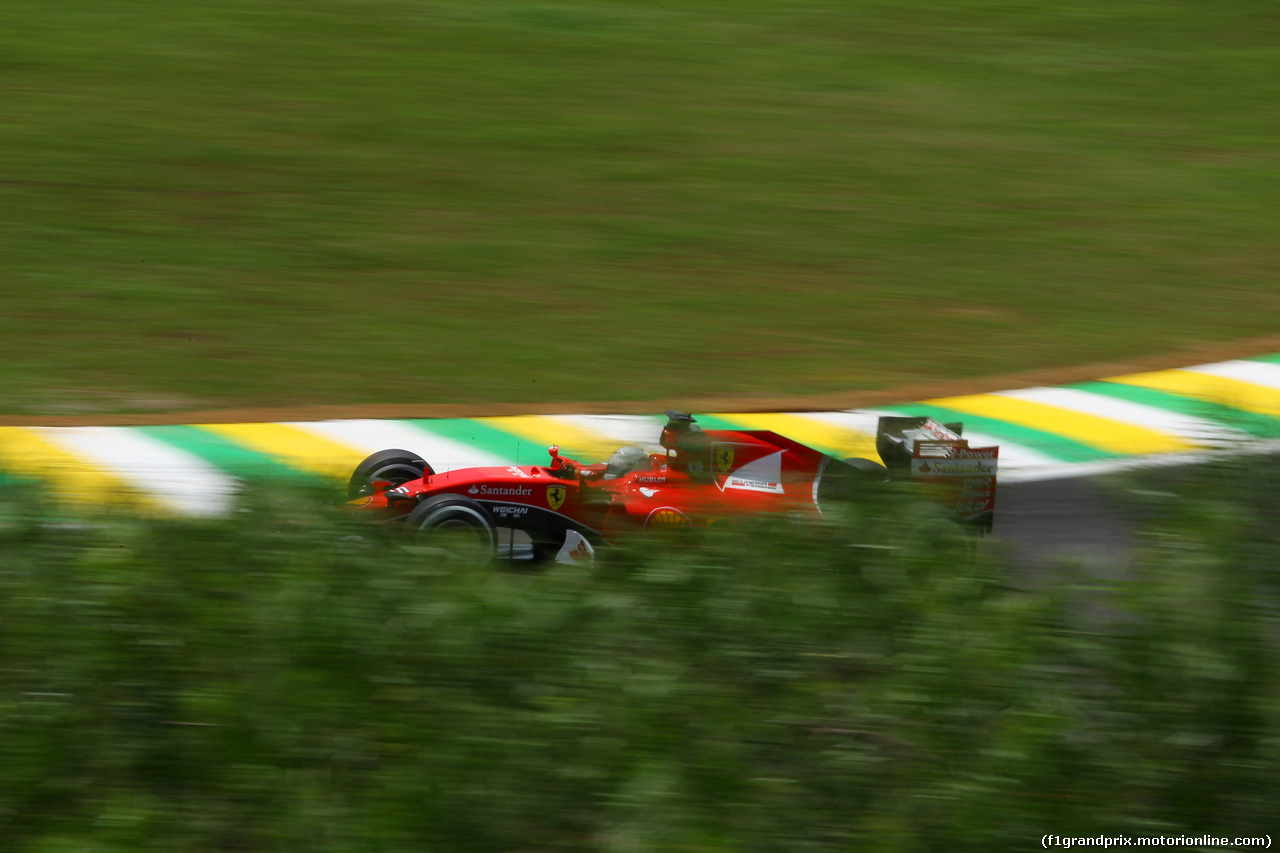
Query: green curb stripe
[(223, 454), (709, 422), (1274, 358), (1252, 423), (1051, 445)]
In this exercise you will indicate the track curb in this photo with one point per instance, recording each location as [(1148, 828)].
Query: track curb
[(1164, 416)]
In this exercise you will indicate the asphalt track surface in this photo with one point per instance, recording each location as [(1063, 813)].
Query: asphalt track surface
[(1062, 525)]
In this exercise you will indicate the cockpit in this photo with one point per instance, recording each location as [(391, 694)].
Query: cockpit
[(625, 460)]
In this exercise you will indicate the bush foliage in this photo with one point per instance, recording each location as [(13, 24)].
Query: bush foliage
[(286, 680)]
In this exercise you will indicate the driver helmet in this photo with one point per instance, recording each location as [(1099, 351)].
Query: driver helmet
[(623, 461)]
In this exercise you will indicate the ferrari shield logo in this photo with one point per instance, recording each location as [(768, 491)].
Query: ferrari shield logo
[(555, 496), (724, 459)]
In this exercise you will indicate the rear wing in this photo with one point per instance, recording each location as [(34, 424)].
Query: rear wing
[(960, 477)]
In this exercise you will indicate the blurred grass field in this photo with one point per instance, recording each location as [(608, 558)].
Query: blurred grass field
[(245, 203)]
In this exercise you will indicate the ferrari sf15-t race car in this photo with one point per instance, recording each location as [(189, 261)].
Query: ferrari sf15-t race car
[(565, 509)]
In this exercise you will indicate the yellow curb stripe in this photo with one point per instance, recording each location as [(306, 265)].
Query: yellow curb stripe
[(1204, 386), (539, 433), (1102, 433), (296, 447), (828, 438), (26, 452)]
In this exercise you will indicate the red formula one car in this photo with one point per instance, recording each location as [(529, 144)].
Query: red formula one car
[(564, 510)]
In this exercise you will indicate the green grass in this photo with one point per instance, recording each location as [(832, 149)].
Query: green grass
[(268, 203)]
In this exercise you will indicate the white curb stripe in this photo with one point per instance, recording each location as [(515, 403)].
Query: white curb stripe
[(861, 421), (1197, 430), (639, 430), (369, 436), (1255, 372), (173, 477), (1067, 470)]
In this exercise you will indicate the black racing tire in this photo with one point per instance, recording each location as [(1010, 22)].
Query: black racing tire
[(395, 466), (459, 527), (848, 479), (871, 471)]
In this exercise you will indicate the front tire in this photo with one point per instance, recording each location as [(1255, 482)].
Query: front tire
[(458, 528), (396, 467)]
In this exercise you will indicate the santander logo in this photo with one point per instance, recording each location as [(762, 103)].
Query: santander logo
[(501, 491)]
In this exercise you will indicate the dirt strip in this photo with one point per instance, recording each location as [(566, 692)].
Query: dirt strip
[(798, 403)]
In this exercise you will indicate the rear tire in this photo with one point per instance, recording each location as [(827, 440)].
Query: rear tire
[(871, 471), (849, 479), (394, 466)]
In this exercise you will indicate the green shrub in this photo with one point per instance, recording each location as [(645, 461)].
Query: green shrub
[(287, 680)]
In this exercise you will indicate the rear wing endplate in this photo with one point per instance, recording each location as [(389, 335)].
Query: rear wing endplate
[(961, 477)]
